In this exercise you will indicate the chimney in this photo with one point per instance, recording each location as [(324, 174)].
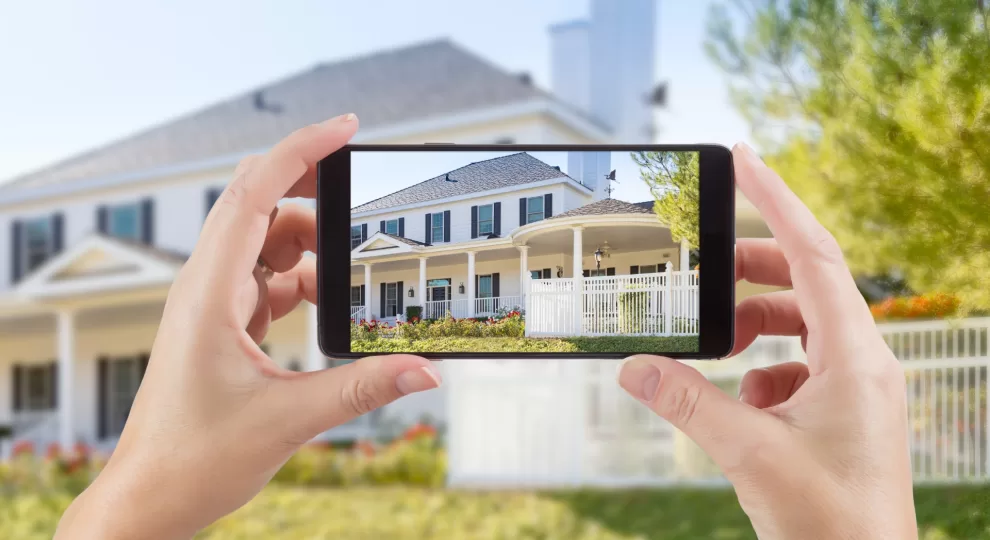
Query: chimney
[(591, 168), (570, 49)]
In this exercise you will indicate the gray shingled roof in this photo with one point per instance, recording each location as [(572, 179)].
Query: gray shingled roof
[(409, 241), (606, 207), (413, 83), (504, 171)]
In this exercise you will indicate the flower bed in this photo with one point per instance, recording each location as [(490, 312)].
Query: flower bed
[(929, 306), (508, 324)]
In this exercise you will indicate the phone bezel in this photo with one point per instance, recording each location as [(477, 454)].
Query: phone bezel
[(717, 245)]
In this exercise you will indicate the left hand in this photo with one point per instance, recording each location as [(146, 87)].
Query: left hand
[(215, 417)]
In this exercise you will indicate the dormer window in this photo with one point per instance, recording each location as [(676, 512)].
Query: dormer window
[(392, 226)]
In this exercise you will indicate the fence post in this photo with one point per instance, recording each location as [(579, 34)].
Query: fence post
[(527, 285), (668, 289)]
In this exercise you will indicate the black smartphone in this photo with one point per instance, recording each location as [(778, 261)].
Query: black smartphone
[(482, 251)]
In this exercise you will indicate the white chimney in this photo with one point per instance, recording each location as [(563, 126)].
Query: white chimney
[(591, 168), (570, 77)]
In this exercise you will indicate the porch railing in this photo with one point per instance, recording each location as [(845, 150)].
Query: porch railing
[(357, 313), (484, 307), (438, 309)]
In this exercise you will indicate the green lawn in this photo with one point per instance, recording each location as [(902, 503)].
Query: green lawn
[(618, 344), (955, 513)]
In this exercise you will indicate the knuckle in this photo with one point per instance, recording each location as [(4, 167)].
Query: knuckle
[(359, 397), (245, 164), (824, 247), (681, 404)]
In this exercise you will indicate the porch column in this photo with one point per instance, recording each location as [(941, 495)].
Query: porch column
[(578, 278), (422, 284), (367, 292), (315, 360), (470, 283), (523, 269), (66, 335), (685, 256)]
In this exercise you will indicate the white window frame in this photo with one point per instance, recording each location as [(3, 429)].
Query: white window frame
[(530, 212), (388, 225), (597, 273), (491, 286), (45, 252), (393, 304), (356, 289), (434, 228), (138, 210), (490, 221), (359, 238), (29, 400), (656, 269)]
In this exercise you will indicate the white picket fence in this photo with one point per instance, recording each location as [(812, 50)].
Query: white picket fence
[(633, 305), (566, 423)]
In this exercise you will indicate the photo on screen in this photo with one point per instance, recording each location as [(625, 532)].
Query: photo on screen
[(501, 252)]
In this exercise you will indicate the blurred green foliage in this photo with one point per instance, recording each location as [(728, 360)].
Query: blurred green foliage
[(877, 113), (617, 344), (674, 181)]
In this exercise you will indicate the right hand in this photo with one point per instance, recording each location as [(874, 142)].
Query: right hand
[(816, 450)]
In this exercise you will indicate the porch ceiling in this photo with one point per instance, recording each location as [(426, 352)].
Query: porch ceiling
[(621, 238)]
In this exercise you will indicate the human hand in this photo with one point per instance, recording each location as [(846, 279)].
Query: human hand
[(816, 450), (215, 417)]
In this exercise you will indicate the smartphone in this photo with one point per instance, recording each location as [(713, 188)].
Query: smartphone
[(516, 251)]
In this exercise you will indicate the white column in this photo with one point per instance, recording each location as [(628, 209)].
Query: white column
[(422, 284), (367, 291), (523, 269), (685, 256), (470, 284), (66, 335), (315, 360), (578, 278)]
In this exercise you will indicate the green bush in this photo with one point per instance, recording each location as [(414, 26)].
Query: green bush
[(414, 313), (509, 324), (633, 311), (608, 344)]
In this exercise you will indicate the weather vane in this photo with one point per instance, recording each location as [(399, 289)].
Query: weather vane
[(611, 178)]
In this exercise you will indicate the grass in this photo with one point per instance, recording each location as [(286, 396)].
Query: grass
[(944, 513), (617, 344)]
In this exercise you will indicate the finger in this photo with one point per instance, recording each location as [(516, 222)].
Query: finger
[(771, 386), (234, 238), (257, 316), (317, 401), (722, 426), (759, 260), (288, 289), (825, 290), (292, 233), (769, 314)]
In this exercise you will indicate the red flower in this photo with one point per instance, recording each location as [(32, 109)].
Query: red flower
[(23, 448), (419, 430), (53, 452), (365, 448)]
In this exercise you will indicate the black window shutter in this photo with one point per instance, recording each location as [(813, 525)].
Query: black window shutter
[(522, 211), (633, 269), (103, 402), (546, 273), (446, 225), (102, 220), (382, 301), (610, 271), (148, 215), (17, 381), (363, 303), (586, 273), (58, 232), (548, 205), (429, 229), (477, 285), (399, 293), (497, 210), (474, 222), (381, 226), (364, 232), (53, 377), (402, 227), (16, 251), (211, 199), (495, 284)]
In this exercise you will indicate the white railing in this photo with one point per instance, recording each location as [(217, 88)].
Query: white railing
[(40, 428), (644, 304), (357, 313), (484, 307), (505, 428), (438, 309)]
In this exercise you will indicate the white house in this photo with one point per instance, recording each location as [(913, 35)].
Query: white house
[(513, 232), (92, 243)]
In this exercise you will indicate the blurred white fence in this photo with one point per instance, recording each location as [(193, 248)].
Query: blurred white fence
[(567, 423)]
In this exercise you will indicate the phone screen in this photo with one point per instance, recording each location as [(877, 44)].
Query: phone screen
[(506, 251)]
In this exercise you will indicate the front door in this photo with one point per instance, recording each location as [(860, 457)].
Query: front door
[(437, 290)]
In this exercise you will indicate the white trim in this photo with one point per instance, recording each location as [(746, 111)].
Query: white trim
[(605, 220), (149, 271), (10, 196), (399, 247), (564, 180)]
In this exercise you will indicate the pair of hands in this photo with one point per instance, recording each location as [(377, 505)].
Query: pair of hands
[(816, 451)]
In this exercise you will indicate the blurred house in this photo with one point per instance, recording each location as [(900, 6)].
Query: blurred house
[(93, 242)]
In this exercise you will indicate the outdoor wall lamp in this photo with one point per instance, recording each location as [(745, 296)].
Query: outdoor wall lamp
[(598, 258), (460, 288), (410, 292)]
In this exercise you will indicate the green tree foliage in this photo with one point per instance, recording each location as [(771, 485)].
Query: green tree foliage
[(877, 112), (673, 181)]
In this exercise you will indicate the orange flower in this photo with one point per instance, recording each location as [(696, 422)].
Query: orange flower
[(53, 452), (365, 448), (419, 430)]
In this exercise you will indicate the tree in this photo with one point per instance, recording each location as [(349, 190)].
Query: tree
[(877, 113), (673, 181)]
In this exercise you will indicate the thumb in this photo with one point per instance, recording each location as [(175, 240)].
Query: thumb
[(319, 400), (725, 428)]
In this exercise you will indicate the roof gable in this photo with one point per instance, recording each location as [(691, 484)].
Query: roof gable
[(608, 207), (505, 171)]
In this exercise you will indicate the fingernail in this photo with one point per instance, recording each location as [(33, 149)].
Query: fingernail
[(640, 378), (417, 380), (742, 397)]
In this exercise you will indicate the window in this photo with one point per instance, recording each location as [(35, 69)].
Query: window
[(536, 274), (355, 236), (356, 300), (124, 379), (38, 242), (391, 300), (436, 227), (392, 227), (37, 383), (485, 286), (597, 273), (648, 269), (534, 209), (486, 219), (124, 221)]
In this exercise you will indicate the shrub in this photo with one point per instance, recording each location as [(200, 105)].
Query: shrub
[(633, 311), (505, 324), (930, 306), (414, 313)]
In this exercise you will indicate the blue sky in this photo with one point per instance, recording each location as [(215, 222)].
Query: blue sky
[(75, 75)]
